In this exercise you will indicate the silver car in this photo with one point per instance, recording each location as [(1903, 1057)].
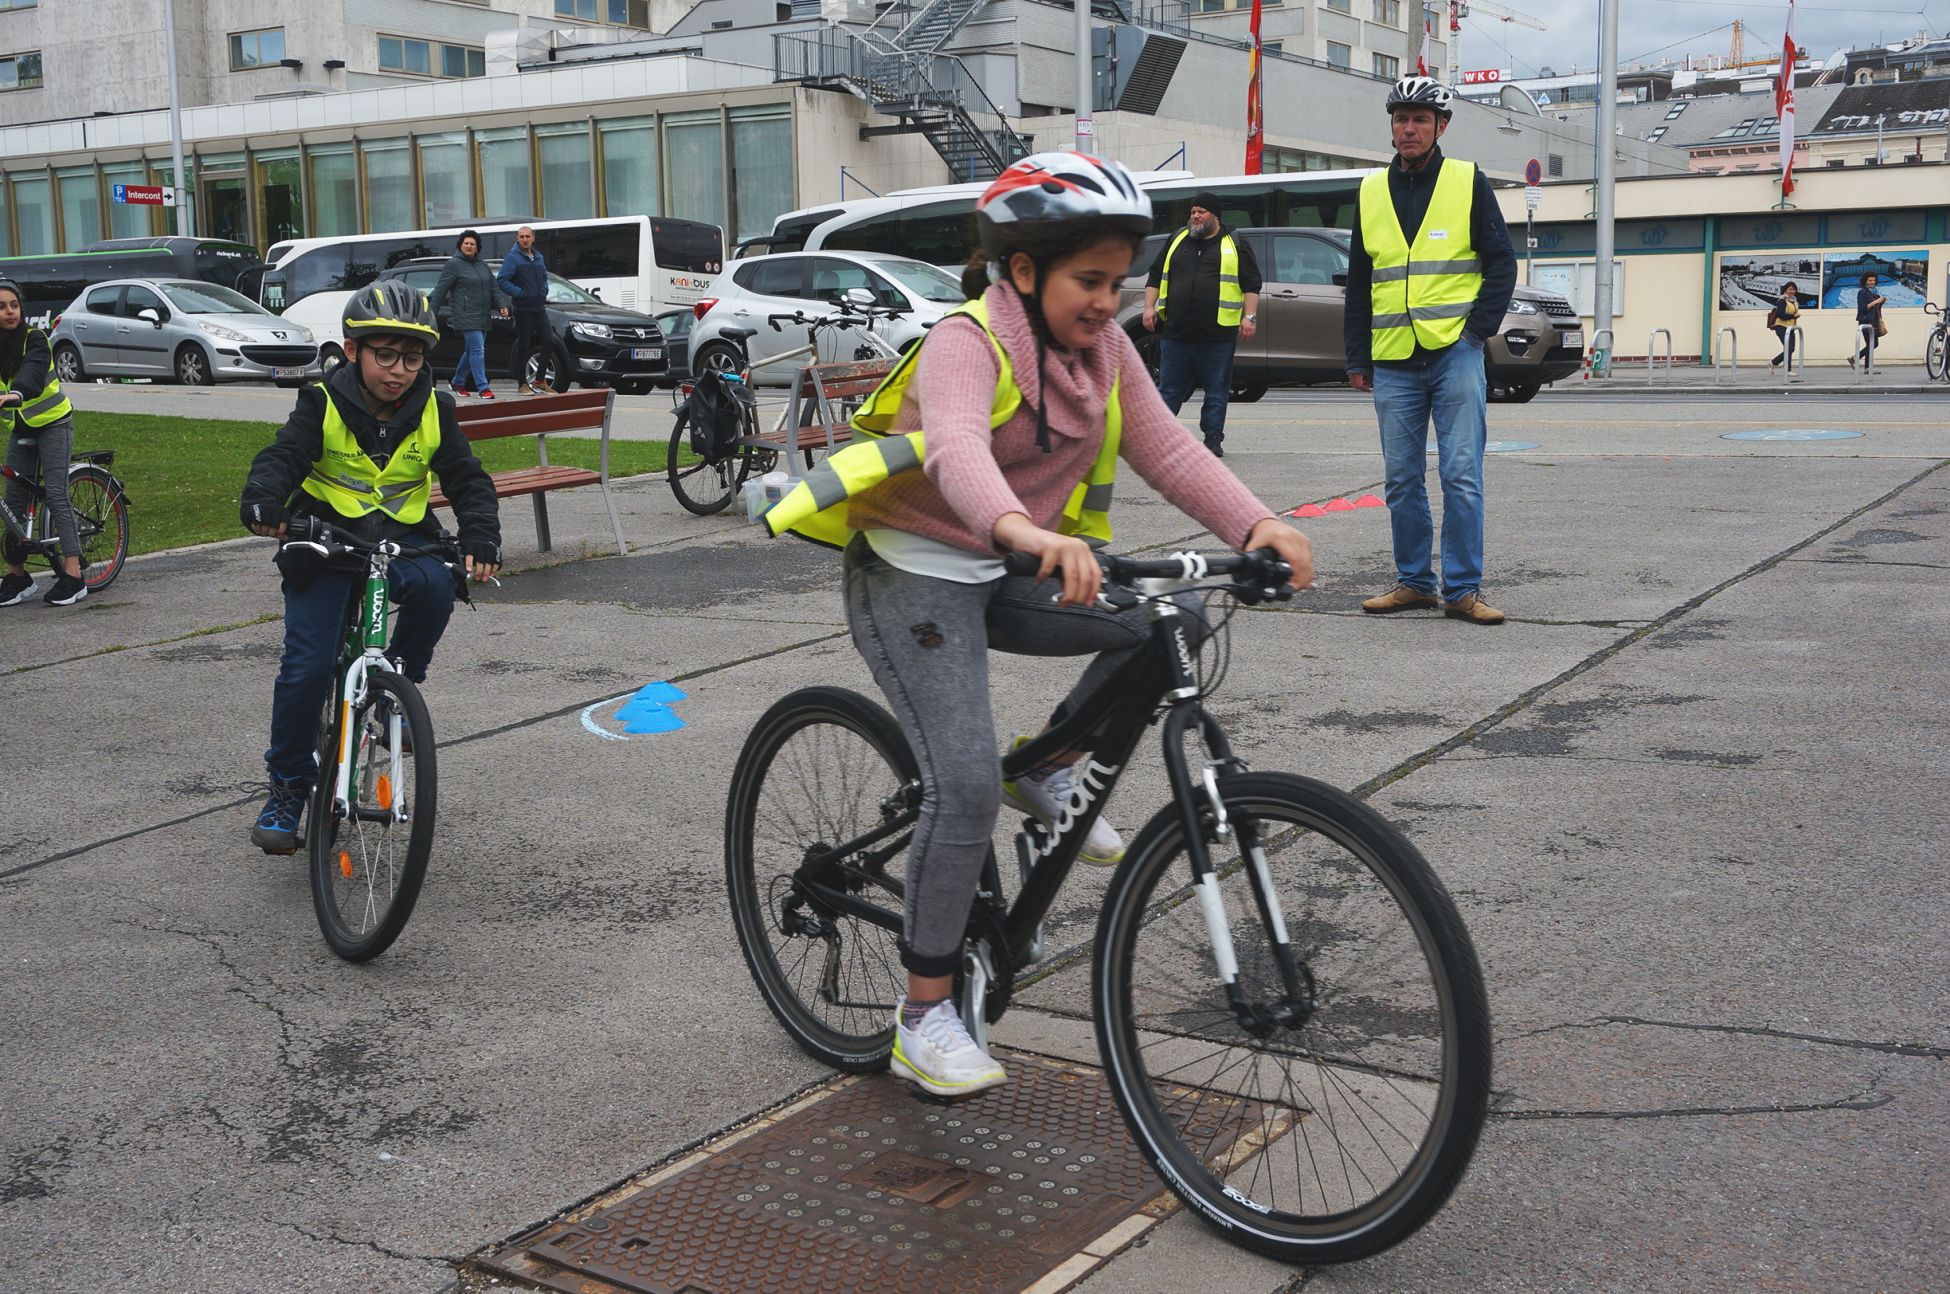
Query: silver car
[(194, 333)]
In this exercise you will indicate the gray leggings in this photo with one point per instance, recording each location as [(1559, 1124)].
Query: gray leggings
[(927, 641), (44, 451)]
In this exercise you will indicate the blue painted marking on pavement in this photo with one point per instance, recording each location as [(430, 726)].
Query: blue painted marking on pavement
[(645, 710), (1791, 434)]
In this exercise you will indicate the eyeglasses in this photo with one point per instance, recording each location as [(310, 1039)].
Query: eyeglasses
[(387, 357)]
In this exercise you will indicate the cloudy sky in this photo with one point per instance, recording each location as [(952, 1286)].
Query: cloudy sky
[(1649, 27)]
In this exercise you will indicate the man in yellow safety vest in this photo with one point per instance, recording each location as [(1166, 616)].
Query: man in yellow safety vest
[(1204, 293), (1430, 274)]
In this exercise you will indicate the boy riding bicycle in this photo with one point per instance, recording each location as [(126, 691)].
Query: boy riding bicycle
[(359, 451)]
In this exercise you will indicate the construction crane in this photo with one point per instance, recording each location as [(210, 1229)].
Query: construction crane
[(1461, 9)]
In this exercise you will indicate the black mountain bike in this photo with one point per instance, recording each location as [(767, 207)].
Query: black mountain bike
[(101, 515), (1287, 1005)]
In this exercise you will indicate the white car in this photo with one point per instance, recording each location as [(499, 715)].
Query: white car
[(748, 293)]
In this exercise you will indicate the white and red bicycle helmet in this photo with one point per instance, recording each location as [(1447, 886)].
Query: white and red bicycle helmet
[(1061, 187)]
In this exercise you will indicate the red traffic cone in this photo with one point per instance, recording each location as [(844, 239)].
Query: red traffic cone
[(1308, 510), (1338, 505), (1369, 501)]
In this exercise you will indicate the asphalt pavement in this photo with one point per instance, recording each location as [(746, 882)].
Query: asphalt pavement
[(1689, 800)]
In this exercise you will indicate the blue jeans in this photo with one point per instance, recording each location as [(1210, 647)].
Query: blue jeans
[(471, 372), (1207, 365), (314, 625), (1448, 387)]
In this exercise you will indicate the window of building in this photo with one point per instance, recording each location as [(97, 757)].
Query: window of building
[(1339, 55), (389, 184), (249, 49), (1653, 138), (568, 176), (81, 207), (19, 4), (694, 149), (1271, 46), (280, 197), (1389, 12), (446, 180), (1555, 165), (21, 71), (1677, 108), (334, 196), (629, 153), (761, 167), (1341, 6), (1387, 65), (1738, 129), (507, 179), (1837, 161), (430, 58), (127, 219), (620, 13), (33, 216)]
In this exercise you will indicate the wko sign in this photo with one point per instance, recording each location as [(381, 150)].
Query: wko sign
[(145, 195), (1487, 76)]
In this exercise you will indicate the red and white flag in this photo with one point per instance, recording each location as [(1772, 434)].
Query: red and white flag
[(1422, 59), (1255, 106), (1784, 106)]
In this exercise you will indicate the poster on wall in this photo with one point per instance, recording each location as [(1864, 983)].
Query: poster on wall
[(1903, 278), (1577, 282), (1753, 280)]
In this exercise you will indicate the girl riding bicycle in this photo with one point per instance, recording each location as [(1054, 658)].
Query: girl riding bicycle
[(1029, 394), (36, 419)]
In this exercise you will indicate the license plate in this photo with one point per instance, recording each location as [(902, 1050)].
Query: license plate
[(1571, 339), (647, 352), (288, 372)]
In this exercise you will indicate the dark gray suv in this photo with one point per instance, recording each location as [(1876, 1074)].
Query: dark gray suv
[(1299, 340)]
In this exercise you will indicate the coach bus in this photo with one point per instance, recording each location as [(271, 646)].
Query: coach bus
[(50, 284), (642, 263)]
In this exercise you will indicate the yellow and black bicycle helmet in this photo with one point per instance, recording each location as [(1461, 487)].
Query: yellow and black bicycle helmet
[(390, 308)]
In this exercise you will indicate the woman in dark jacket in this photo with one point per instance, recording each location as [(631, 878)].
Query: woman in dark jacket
[(467, 290)]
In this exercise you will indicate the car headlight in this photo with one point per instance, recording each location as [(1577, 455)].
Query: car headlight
[(591, 330), (1522, 307), (304, 334), (222, 333)]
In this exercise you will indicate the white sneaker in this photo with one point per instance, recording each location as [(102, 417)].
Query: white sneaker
[(940, 1056), (1045, 795)]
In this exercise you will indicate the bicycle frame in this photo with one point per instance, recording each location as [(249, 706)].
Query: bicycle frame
[(22, 528), (363, 650)]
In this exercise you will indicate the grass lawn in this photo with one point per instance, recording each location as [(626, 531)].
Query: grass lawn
[(184, 475)]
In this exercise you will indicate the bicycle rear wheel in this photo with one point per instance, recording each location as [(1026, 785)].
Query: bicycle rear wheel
[(101, 516), (1936, 353), (824, 767), (1336, 1133), (704, 485), (369, 858)]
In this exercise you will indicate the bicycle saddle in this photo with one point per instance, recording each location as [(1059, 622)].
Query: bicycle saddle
[(737, 334)]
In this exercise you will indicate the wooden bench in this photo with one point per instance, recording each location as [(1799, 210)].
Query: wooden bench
[(816, 398), (539, 416)]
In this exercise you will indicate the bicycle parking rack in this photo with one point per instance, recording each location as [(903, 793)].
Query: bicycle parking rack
[(1651, 358), (1797, 354), (1733, 367), (1598, 358), (1867, 368)]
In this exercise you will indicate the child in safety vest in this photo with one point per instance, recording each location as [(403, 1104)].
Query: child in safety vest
[(357, 452), (1028, 396), (37, 421)]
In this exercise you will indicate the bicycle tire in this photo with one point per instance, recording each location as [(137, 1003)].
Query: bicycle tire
[(367, 869), (823, 765), (101, 514), (1936, 353), (704, 486), (1189, 1079)]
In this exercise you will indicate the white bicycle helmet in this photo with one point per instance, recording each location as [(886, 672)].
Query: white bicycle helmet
[(1421, 92), (1046, 188)]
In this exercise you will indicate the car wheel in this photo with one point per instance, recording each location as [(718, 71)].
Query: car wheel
[(67, 363), (330, 357), (1150, 352), (192, 365), (546, 366), (1249, 392), (717, 356)]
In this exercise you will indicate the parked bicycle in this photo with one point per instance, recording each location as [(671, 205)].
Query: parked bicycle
[(1936, 350), (101, 515), (369, 824), (718, 417), (1287, 1005)]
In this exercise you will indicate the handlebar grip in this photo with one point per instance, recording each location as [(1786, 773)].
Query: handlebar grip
[(1021, 563)]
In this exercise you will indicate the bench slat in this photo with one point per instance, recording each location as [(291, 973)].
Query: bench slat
[(530, 480), (533, 424)]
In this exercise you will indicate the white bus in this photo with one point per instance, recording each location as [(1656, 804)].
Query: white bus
[(642, 263), (938, 225)]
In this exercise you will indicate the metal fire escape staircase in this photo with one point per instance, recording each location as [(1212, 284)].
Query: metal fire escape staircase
[(896, 64)]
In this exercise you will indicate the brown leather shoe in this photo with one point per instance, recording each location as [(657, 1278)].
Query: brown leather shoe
[(1399, 598), (525, 389), (1473, 609)]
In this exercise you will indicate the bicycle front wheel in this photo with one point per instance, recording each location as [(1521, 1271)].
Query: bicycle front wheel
[(1331, 1115), (369, 854), (101, 516), (703, 485), (1936, 353), (825, 768)]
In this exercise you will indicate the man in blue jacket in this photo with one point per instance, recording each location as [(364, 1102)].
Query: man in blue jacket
[(524, 277)]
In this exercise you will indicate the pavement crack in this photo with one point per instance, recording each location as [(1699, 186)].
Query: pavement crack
[(1866, 1099), (1865, 561), (1918, 1049), (327, 1238)]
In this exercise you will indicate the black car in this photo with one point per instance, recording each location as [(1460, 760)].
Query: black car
[(677, 343), (593, 343)]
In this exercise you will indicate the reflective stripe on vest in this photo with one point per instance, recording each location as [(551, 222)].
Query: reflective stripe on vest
[(816, 508), (1425, 291), (44, 410), (1232, 301), (348, 480)]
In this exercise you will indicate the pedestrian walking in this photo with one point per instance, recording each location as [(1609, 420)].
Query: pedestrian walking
[(467, 291), (1204, 290), (524, 279), (1785, 315), (1868, 313), (1430, 275)]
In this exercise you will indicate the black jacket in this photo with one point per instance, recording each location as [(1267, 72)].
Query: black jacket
[(31, 378), (271, 493), (1412, 191), (1193, 313), (468, 292)]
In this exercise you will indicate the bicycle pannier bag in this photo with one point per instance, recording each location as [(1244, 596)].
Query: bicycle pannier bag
[(717, 417)]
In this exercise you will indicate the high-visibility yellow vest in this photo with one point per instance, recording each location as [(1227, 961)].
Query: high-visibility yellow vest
[(348, 480), (44, 410), (816, 508), (1422, 292), (1232, 299)]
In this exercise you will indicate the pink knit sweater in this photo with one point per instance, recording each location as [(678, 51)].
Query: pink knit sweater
[(972, 477)]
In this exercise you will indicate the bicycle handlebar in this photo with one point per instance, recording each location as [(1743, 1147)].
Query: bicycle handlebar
[(314, 533), (1259, 576)]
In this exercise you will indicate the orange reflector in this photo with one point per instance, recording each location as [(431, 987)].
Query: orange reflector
[(385, 791), (345, 862)]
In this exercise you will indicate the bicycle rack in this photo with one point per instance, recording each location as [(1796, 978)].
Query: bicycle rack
[(1867, 368), (1600, 356), (1797, 354), (1651, 358), (1733, 336)]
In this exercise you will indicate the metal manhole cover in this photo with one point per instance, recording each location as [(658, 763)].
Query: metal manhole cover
[(867, 1188)]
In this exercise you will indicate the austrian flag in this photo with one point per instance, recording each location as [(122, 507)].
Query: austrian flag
[(1784, 106)]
